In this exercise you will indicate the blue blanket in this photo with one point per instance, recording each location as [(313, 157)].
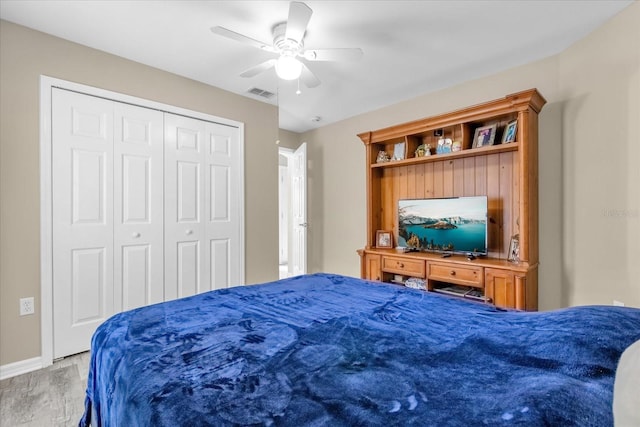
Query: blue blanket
[(328, 350)]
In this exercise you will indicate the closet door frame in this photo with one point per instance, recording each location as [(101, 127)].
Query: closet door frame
[(46, 191)]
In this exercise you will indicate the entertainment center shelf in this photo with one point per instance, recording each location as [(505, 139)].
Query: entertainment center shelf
[(449, 156), (506, 173)]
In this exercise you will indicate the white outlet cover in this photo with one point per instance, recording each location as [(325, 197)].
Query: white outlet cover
[(27, 306)]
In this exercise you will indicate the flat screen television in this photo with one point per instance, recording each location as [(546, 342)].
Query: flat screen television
[(455, 225)]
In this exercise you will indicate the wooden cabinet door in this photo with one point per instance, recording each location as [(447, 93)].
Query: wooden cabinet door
[(505, 288), (499, 286), (372, 267)]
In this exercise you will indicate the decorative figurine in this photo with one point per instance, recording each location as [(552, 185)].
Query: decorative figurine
[(413, 242), (382, 157), (444, 146), (423, 150)]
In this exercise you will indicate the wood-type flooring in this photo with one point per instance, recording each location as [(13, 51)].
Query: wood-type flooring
[(49, 397)]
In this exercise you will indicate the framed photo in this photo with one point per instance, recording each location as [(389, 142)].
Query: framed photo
[(509, 134), (514, 249), (484, 136), (383, 239), (399, 151)]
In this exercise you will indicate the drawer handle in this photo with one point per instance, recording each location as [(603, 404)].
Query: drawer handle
[(453, 272), (401, 265)]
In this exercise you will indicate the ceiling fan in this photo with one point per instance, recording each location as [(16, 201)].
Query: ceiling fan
[(288, 44)]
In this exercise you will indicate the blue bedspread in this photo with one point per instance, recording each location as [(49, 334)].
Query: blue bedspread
[(328, 350)]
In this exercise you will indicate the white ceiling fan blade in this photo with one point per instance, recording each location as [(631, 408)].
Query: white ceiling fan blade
[(308, 78), (346, 54), (254, 71), (221, 31), (299, 16)]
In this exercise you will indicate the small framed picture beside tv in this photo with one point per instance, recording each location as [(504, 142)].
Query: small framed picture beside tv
[(452, 225), (383, 239)]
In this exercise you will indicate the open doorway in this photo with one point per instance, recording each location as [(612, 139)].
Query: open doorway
[(292, 211)]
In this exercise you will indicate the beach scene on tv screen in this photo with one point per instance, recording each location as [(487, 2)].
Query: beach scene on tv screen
[(443, 225)]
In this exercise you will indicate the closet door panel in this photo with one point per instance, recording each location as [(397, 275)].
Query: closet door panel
[(220, 263), (138, 206), (185, 248), (188, 191), (223, 206), (82, 217), (188, 266), (136, 275)]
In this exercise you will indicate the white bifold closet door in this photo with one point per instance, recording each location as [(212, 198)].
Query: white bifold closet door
[(138, 207), (146, 208), (201, 206), (107, 213)]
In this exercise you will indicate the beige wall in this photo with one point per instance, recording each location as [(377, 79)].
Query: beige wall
[(24, 56), (288, 139), (599, 85), (589, 173)]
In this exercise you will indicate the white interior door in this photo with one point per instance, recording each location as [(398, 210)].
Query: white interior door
[(283, 209), (223, 207), (138, 206), (82, 216), (299, 211), (185, 238), (203, 209)]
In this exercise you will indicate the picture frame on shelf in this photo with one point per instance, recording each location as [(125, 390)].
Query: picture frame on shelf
[(399, 151), (384, 239), (484, 136), (510, 130), (514, 249)]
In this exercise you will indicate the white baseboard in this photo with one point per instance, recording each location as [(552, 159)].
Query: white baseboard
[(19, 368)]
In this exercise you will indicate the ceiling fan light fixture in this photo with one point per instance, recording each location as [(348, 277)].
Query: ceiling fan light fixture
[(288, 67)]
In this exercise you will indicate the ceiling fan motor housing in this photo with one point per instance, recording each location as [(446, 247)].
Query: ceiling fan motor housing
[(284, 45)]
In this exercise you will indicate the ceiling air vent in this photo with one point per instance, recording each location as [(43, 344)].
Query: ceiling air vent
[(261, 92)]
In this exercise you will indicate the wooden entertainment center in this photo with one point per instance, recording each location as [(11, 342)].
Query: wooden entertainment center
[(507, 173)]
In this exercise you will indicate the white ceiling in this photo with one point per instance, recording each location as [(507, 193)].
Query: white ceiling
[(410, 47)]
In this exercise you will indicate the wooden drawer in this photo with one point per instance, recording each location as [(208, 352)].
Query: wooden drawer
[(409, 267), (457, 274)]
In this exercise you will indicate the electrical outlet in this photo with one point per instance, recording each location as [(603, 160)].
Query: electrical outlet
[(27, 306), (618, 303)]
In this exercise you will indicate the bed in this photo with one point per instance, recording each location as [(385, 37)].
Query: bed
[(330, 350)]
